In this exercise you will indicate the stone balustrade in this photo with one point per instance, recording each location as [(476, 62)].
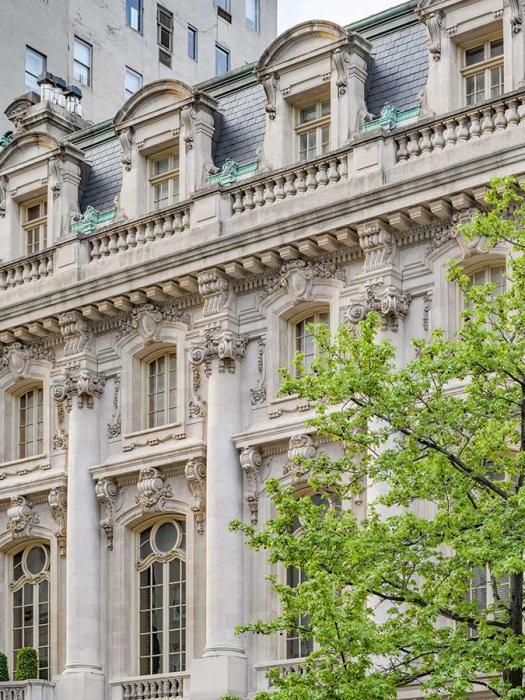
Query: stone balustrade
[(27, 690), (473, 123), (299, 180), (285, 667), (30, 269), (138, 233), (165, 687)]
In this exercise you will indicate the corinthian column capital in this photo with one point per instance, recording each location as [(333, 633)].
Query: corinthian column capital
[(225, 346), (84, 384)]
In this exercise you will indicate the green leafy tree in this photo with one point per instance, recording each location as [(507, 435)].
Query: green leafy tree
[(4, 671), (439, 445), (26, 664)]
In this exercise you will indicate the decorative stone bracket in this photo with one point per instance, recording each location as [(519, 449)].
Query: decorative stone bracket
[(153, 492), (20, 516), (391, 303), (195, 472), (86, 386), (378, 244), (270, 84), (224, 346), (217, 291), (300, 447), (107, 492), (57, 500), (251, 461), (75, 332), (297, 276)]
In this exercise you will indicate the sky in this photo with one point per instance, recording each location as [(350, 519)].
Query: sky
[(341, 11)]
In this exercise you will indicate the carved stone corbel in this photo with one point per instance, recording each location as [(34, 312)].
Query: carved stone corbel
[(378, 244), (251, 461), (152, 490), (107, 492), (75, 332), (341, 58), (270, 84), (217, 291), (195, 472), (300, 447), (55, 175), (188, 116), (57, 500), (391, 303), (4, 182), (20, 516), (433, 21), (125, 138), (516, 15)]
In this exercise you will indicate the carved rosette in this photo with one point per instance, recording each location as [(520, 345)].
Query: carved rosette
[(300, 448), (85, 385), (391, 303), (216, 290), (20, 516), (75, 332), (195, 472), (107, 492), (152, 490), (57, 500), (224, 346), (251, 461)]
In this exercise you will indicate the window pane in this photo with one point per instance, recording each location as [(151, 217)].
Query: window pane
[(35, 65), (325, 139), (82, 52), (475, 88), (166, 537), (308, 114), (474, 55), (132, 82), (496, 81), (192, 43), (222, 60), (252, 12), (134, 14), (81, 73), (225, 4), (161, 165), (496, 48)]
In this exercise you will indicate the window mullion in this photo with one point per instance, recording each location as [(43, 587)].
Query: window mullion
[(165, 617)]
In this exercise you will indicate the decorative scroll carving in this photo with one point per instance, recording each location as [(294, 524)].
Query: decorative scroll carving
[(270, 84), (107, 492), (4, 182), (341, 58), (197, 407), (85, 385), (196, 479), (300, 447), (55, 176), (17, 357), (114, 428), (152, 491), (224, 346), (251, 461), (60, 437), (296, 276), (391, 303), (378, 244), (57, 500), (145, 319), (188, 116), (433, 21), (259, 393), (20, 516), (125, 138), (516, 15), (75, 332), (427, 308), (216, 290)]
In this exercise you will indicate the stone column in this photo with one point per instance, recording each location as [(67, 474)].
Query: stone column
[(223, 668), (83, 677)]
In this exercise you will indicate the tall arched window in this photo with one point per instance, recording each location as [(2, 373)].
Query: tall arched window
[(30, 603), (161, 381), (303, 338), (495, 274), (162, 597), (30, 424)]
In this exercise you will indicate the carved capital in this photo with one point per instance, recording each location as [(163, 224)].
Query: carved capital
[(391, 303), (251, 461), (85, 385), (20, 516), (57, 500), (107, 492), (196, 479), (152, 491), (224, 346), (300, 448)]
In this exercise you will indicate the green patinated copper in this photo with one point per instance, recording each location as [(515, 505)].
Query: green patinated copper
[(391, 117), (90, 219), (230, 171), (6, 139)]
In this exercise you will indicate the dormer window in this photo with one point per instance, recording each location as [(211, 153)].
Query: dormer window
[(483, 70), (313, 129), (164, 179), (34, 218)]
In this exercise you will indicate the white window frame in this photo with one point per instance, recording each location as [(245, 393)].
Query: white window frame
[(165, 353), (39, 225), (193, 31), (135, 74), (178, 551), (171, 176), (31, 447), (167, 27), (483, 68), (77, 41), (314, 316), (315, 128), (225, 52), (32, 84)]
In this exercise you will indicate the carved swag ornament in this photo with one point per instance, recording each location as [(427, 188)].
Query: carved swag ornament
[(251, 461), (296, 276)]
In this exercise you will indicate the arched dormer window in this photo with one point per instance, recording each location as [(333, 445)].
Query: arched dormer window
[(30, 422), (161, 383), (30, 600), (162, 597)]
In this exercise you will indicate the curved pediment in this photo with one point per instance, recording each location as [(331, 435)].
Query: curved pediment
[(299, 40), (27, 146), (152, 98)]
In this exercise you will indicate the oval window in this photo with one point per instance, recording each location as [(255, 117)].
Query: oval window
[(166, 537), (36, 560)]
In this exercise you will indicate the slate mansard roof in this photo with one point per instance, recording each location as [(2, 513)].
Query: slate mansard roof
[(399, 75)]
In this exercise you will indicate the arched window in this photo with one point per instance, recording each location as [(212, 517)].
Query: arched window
[(161, 389), (30, 603), (162, 597), (495, 274), (303, 338), (30, 423)]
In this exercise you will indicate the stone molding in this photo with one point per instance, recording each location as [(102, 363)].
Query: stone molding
[(106, 492), (152, 491), (300, 447), (18, 357), (251, 462), (84, 384), (224, 346), (146, 318), (21, 517), (195, 472), (391, 303), (57, 500)]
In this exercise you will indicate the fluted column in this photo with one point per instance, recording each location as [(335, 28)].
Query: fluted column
[(83, 676)]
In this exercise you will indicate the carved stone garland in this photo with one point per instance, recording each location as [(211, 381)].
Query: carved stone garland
[(251, 461), (107, 492), (195, 472), (114, 428), (57, 500)]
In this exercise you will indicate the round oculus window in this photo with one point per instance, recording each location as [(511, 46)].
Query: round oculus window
[(36, 560), (166, 537)]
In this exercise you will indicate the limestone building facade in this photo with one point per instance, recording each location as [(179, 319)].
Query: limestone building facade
[(112, 48), (156, 272)]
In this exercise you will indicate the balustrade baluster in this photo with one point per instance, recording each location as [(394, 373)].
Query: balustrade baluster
[(259, 196), (26, 273), (300, 182), (343, 167), (104, 246), (438, 140), (141, 234), (35, 264), (512, 115), (127, 691), (321, 176), (289, 185), (402, 150), (19, 279), (168, 225), (487, 123), (450, 133), (475, 125), (95, 249), (311, 182), (279, 187), (426, 141), (186, 218), (333, 173), (11, 277), (269, 195), (500, 120), (413, 145), (121, 242), (158, 227), (237, 202), (177, 222), (463, 129), (150, 232), (131, 237), (248, 202), (3, 285), (113, 247)]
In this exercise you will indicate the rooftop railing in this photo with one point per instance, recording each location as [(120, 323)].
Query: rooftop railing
[(24, 271)]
